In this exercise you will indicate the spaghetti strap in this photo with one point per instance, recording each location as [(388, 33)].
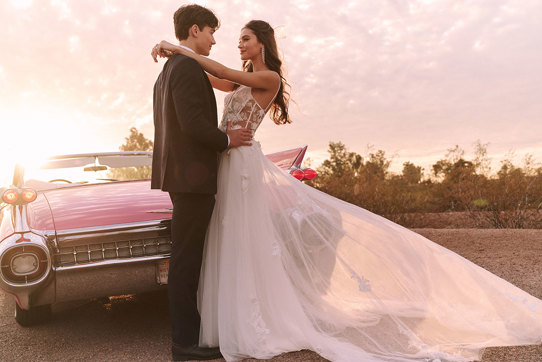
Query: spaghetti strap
[(273, 99)]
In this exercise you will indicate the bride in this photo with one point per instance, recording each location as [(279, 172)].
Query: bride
[(288, 267)]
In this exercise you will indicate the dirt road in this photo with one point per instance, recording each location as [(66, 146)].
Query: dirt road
[(137, 327)]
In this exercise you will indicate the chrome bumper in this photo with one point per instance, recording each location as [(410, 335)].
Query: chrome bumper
[(97, 262), (115, 277)]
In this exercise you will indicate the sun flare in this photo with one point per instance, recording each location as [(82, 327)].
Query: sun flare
[(38, 132), (21, 4)]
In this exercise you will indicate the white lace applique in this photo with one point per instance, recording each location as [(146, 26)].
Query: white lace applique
[(257, 321), (241, 110), (364, 284), (244, 180)]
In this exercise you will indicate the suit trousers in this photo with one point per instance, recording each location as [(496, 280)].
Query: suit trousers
[(191, 215)]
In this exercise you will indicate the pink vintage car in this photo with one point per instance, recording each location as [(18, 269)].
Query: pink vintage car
[(88, 226)]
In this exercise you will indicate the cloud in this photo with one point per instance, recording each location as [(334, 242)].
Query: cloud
[(410, 77)]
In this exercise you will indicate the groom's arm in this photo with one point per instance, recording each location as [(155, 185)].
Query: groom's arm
[(188, 90)]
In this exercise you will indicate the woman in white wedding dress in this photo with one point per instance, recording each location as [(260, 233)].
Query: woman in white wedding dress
[(287, 267)]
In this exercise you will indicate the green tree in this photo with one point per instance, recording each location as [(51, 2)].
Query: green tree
[(412, 174), (515, 196), (346, 175), (460, 184), (136, 141), (337, 175), (376, 167), (340, 161), (511, 197)]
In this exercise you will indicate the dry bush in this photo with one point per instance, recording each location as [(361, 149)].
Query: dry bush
[(512, 198)]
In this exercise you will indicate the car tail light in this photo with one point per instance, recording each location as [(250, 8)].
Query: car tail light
[(309, 174), (24, 264), (19, 197), (10, 196), (303, 174), (297, 173), (28, 195)]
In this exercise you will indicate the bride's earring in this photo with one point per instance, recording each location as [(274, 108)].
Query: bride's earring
[(263, 54)]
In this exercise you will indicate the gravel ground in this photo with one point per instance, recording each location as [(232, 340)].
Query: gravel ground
[(137, 327)]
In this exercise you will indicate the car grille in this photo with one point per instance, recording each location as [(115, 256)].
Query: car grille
[(95, 252)]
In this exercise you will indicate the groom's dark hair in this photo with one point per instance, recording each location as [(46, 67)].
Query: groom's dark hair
[(188, 15)]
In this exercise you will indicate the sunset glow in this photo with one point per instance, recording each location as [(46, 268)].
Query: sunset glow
[(413, 78), (21, 4)]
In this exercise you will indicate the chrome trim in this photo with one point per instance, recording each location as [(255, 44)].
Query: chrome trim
[(35, 240), (49, 235), (93, 252), (20, 224), (98, 154), (93, 245), (300, 156), (106, 263), (24, 291), (111, 228)]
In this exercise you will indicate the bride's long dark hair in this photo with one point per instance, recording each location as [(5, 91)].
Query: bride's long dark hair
[(266, 35)]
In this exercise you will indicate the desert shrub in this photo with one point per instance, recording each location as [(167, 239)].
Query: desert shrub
[(511, 198)]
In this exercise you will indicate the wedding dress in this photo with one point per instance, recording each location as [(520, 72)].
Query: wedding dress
[(287, 267)]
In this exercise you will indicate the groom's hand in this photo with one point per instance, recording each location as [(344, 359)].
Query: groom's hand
[(239, 137)]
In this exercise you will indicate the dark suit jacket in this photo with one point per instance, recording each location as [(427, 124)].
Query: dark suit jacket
[(186, 138)]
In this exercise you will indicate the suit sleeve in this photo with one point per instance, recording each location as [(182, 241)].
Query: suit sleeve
[(187, 87)]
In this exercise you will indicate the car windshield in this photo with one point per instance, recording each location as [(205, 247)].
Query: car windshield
[(89, 168)]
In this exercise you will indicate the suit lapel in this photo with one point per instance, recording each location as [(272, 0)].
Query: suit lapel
[(212, 98)]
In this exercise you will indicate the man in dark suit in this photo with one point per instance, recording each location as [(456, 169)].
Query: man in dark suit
[(187, 143)]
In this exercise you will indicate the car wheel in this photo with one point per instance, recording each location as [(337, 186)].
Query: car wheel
[(32, 316)]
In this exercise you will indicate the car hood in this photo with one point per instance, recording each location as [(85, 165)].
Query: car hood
[(97, 205)]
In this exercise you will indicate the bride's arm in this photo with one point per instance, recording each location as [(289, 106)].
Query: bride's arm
[(263, 80), (220, 84), (217, 83)]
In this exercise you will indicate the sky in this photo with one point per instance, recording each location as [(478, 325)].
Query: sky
[(411, 77)]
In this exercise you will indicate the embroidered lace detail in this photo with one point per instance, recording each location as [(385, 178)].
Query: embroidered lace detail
[(257, 321), (244, 180), (242, 110), (363, 283)]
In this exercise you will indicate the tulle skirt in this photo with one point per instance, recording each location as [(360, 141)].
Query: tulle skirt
[(287, 267)]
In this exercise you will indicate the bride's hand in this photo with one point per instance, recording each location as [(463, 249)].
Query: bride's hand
[(163, 50)]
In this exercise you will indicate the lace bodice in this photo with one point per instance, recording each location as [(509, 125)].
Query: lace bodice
[(242, 110)]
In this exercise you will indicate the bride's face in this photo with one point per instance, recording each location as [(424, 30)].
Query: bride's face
[(249, 46)]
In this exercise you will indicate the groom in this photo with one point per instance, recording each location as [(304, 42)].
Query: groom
[(187, 143)]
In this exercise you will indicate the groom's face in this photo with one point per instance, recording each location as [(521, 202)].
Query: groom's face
[(205, 40)]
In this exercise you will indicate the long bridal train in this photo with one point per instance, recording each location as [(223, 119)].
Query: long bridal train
[(287, 267)]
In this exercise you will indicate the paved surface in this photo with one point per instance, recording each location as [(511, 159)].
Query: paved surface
[(137, 327)]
